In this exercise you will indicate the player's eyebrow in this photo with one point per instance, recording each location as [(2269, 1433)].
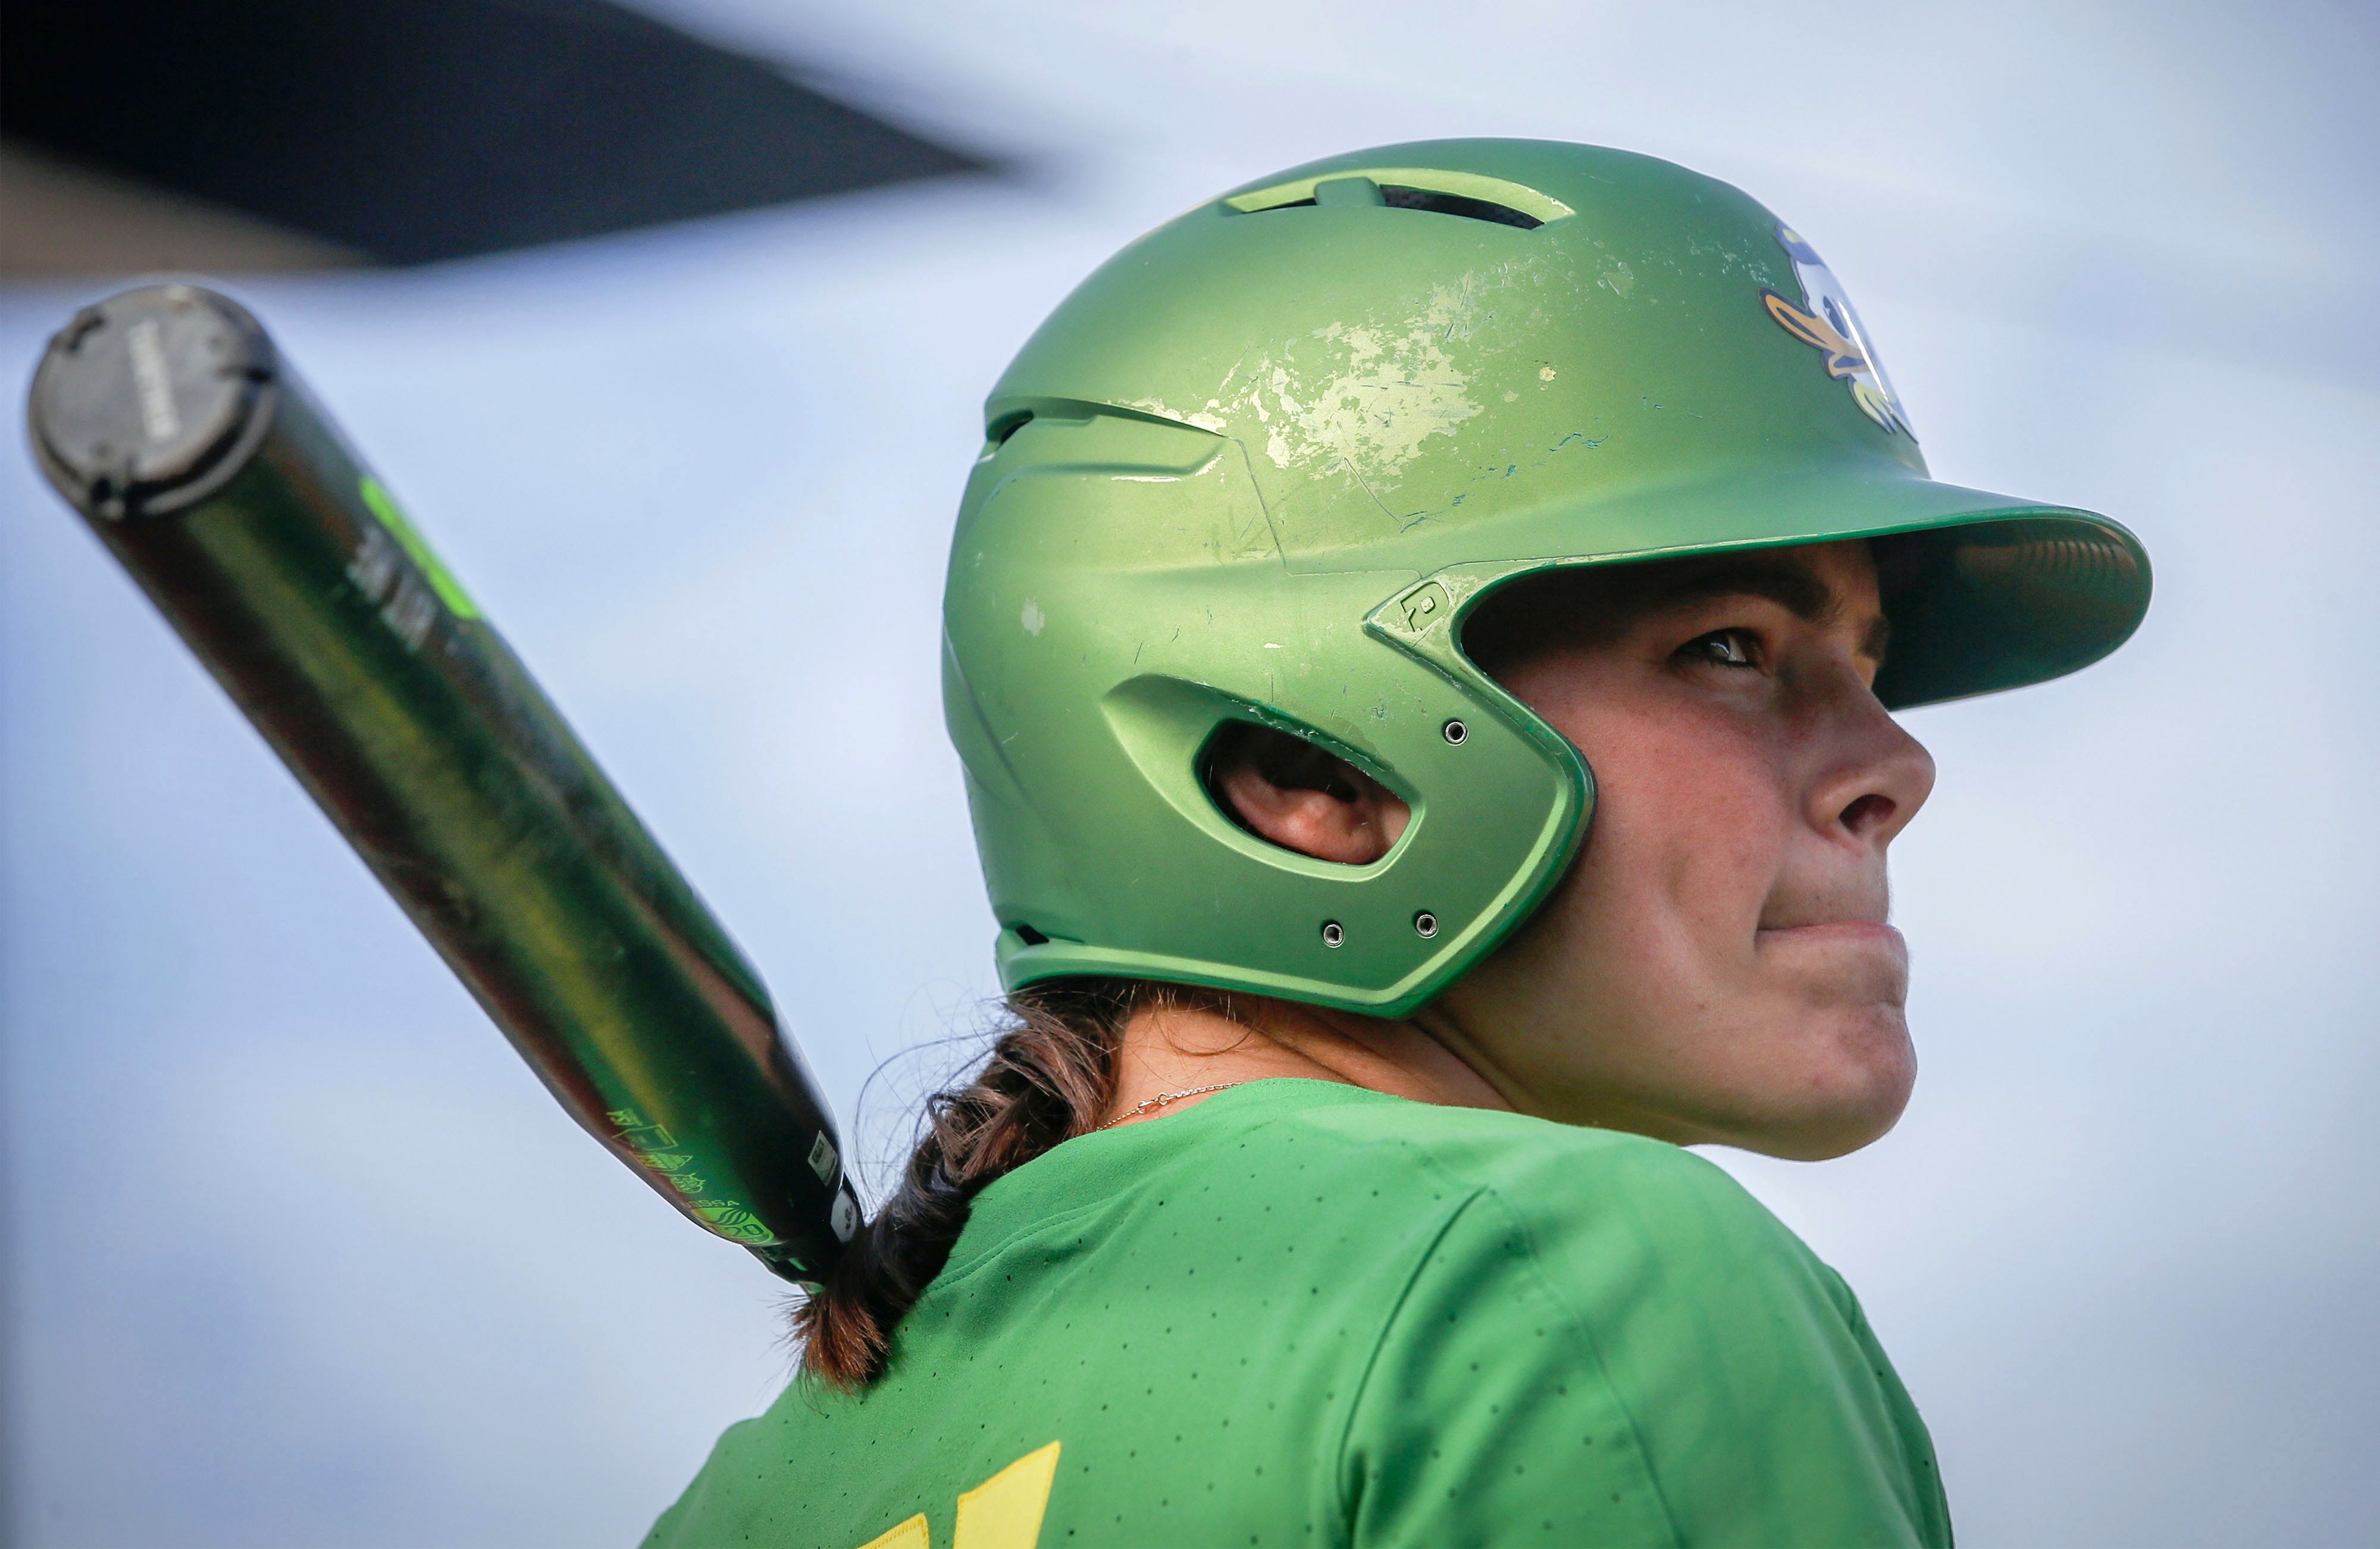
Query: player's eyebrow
[(1789, 586)]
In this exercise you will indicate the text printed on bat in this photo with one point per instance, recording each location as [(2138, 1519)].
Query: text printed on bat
[(1003, 1512), (657, 1149), (153, 380), (417, 548), (379, 572)]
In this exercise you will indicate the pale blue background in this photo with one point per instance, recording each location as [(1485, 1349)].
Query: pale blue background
[(299, 1253)]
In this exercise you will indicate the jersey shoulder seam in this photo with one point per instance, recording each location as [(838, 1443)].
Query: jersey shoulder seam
[(1471, 1194), (1464, 1201), (1592, 1338)]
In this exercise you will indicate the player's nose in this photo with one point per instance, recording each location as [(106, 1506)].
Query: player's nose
[(1871, 775)]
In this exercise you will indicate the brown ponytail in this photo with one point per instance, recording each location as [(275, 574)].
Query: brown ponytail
[(1050, 1076)]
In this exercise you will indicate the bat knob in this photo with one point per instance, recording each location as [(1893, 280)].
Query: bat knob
[(150, 400)]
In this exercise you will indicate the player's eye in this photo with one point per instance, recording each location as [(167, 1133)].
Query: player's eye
[(1723, 648)]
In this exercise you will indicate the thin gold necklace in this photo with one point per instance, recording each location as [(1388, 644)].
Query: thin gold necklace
[(1162, 1098)]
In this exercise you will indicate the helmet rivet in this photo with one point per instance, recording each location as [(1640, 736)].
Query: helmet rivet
[(1333, 934), (1425, 923), (1455, 732)]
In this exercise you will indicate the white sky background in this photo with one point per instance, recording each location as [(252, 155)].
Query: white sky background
[(300, 1252)]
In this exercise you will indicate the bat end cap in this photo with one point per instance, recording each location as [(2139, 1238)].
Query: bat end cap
[(148, 400)]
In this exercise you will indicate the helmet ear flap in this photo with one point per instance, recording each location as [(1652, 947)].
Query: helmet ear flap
[(1117, 600), (1496, 802)]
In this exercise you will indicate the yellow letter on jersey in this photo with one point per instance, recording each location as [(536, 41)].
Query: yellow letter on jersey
[(908, 1535), (1004, 1511)]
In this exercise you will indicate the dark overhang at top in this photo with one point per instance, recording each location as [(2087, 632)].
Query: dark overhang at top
[(410, 132)]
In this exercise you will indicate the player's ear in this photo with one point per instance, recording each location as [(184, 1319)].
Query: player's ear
[(1286, 790)]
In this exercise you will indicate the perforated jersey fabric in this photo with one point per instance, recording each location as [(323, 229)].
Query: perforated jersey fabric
[(1304, 1314)]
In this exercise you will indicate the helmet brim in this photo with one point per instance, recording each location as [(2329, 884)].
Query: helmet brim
[(1984, 591)]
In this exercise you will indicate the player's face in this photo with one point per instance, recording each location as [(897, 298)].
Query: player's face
[(1718, 966)]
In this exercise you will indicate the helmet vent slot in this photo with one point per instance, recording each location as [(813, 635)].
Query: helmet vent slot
[(1399, 197), (1432, 190)]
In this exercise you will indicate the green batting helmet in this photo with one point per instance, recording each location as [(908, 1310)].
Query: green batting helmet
[(1261, 465)]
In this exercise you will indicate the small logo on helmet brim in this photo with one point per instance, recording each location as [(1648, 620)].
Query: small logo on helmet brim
[(1826, 321)]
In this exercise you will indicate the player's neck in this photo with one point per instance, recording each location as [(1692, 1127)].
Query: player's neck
[(1168, 1049)]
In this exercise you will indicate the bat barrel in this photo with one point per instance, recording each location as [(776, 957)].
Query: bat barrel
[(166, 417)]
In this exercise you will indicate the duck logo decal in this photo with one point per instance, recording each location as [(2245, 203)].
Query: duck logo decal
[(1825, 320)]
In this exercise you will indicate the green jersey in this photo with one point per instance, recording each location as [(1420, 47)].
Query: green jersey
[(1300, 1312)]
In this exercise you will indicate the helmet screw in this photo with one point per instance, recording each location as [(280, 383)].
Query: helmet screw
[(1333, 934), (1455, 732), (1425, 923)]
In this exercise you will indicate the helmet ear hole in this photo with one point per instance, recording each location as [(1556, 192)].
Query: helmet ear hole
[(1257, 774)]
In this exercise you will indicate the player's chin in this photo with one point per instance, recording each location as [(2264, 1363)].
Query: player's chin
[(1857, 1069)]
